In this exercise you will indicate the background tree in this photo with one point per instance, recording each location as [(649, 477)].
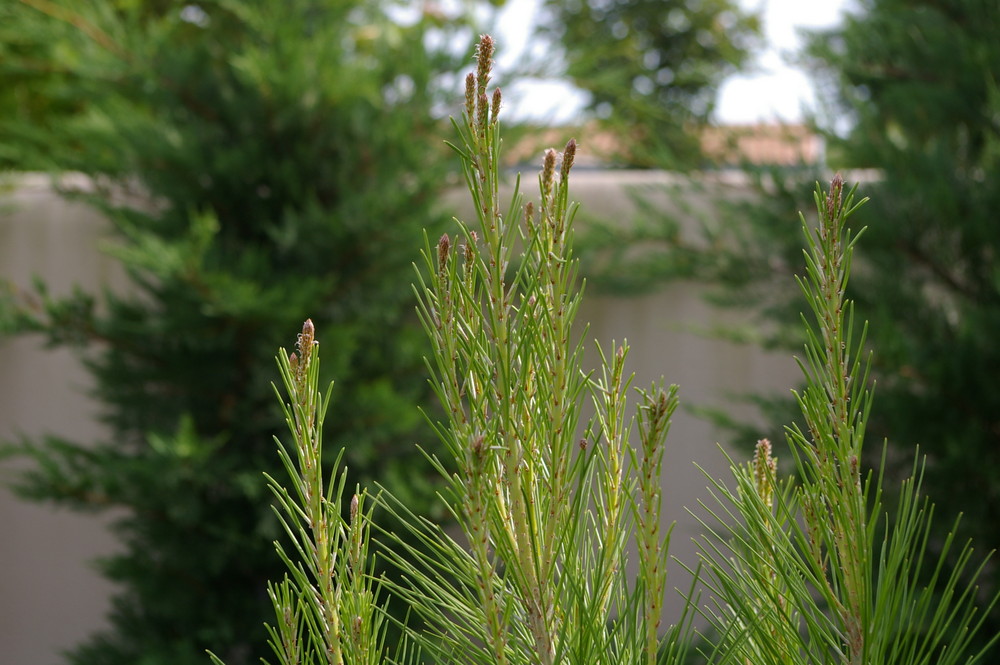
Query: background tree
[(261, 162), (36, 95), (652, 67)]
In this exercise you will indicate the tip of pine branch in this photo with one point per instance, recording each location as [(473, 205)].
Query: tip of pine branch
[(569, 154), (444, 245), (484, 50), (833, 198), (306, 339)]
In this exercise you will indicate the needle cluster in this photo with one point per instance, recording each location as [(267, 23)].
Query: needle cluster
[(801, 568)]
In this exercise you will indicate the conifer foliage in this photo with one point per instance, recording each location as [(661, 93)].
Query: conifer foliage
[(911, 97), (652, 68), (919, 80), (260, 161), (803, 568)]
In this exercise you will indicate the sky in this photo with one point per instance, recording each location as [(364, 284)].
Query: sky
[(774, 90)]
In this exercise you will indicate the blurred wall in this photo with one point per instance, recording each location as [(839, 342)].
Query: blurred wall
[(50, 595)]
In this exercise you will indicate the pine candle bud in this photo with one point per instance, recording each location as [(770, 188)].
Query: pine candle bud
[(482, 116), (354, 508), (306, 339), (304, 343), (444, 245), (764, 472), (548, 178), (548, 166), (495, 106), (569, 154), (484, 61), (470, 97), (833, 198)]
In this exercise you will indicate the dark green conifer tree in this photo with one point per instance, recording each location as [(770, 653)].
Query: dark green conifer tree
[(261, 162)]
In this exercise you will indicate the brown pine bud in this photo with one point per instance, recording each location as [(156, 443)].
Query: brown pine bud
[(495, 106), (484, 61), (569, 154), (548, 179), (833, 198), (305, 341), (444, 244), (470, 97), (482, 116), (764, 471)]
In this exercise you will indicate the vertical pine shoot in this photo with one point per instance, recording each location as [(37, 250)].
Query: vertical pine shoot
[(327, 606), (812, 569), (551, 507)]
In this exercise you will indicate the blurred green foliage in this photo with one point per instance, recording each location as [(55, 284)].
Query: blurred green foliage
[(261, 162), (652, 67)]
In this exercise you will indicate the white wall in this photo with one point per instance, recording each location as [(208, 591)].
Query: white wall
[(50, 597)]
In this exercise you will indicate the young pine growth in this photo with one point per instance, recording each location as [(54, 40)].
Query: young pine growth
[(327, 606), (550, 507), (812, 570), (805, 569)]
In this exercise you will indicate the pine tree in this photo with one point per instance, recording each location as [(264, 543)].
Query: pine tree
[(260, 162)]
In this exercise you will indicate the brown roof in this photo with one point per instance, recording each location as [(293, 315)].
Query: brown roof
[(762, 145), (726, 145)]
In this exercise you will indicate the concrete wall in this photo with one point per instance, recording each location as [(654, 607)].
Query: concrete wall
[(50, 597)]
